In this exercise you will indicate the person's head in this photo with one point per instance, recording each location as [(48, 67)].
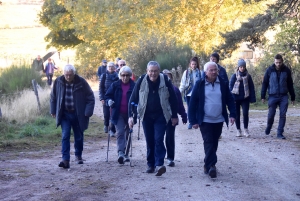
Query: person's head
[(153, 70), (168, 73), (125, 73), (104, 62), (241, 65), (49, 60), (211, 70), (111, 67), (278, 61), (38, 57), (69, 73), (194, 63), (121, 63), (117, 59), (215, 57)]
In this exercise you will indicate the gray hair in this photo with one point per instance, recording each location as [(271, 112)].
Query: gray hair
[(111, 64), (208, 64), (126, 69), (153, 63), (121, 60), (69, 67)]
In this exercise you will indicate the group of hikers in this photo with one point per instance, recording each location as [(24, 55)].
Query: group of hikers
[(48, 69), (156, 102)]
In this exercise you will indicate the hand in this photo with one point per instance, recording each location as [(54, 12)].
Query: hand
[(102, 101), (196, 126), (174, 121), (130, 122), (53, 115), (263, 100), (110, 102), (293, 102), (232, 120)]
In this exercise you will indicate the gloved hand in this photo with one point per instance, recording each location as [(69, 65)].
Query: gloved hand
[(110, 103)]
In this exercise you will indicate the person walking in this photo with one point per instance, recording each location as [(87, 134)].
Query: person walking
[(215, 57), (170, 131), (49, 70), (106, 80), (189, 78), (156, 104), (243, 90), (38, 65), (117, 97), (278, 82), (72, 103), (208, 111), (102, 69)]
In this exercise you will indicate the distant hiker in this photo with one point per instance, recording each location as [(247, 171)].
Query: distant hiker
[(278, 81), (72, 103), (156, 104), (102, 69), (215, 57), (243, 90), (208, 111), (49, 70), (38, 65)]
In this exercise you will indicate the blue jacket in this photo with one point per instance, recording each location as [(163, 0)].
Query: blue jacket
[(83, 97), (181, 109), (101, 70), (106, 81), (276, 87), (196, 106), (241, 95), (114, 93)]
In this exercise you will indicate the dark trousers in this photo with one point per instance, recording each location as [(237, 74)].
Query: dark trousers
[(273, 102), (245, 108), (154, 130), (49, 78), (188, 98), (210, 135), (170, 140), (106, 113)]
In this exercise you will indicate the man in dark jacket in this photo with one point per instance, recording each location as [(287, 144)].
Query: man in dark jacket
[(72, 103), (102, 69), (278, 81), (208, 111), (215, 57), (38, 65)]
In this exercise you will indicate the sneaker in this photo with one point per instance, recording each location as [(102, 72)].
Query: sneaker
[(190, 126), (126, 158), (280, 136), (171, 163), (205, 170), (78, 159), (212, 172), (160, 170), (105, 129), (121, 157), (150, 170), (64, 164), (246, 133), (268, 130), (112, 134), (239, 133)]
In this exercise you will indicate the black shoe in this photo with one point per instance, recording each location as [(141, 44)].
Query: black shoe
[(160, 170), (268, 130), (64, 164), (171, 163), (121, 157), (150, 170), (280, 136), (205, 170), (78, 159), (212, 172)]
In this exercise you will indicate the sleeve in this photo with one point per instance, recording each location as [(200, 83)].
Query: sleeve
[(99, 72), (102, 87), (90, 100), (265, 84), (232, 82), (110, 93), (193, 104), (134, 98), (53, 98), (182, 82), (230, 102), (291, 86), (181, 109), (172, 99), (252, 90)]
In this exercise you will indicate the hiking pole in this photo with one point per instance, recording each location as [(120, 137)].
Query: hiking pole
[(108, 139), (129, 146), (139, 128)]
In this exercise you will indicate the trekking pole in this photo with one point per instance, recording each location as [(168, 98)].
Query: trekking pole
[(139, 128), (108, 139), (129, 146)]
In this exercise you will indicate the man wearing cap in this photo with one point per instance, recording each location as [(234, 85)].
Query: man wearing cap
[(215, 57), (102, 69)]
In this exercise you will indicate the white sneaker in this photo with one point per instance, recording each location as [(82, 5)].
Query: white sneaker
[(239, 133), (246, 133), (112, 134)]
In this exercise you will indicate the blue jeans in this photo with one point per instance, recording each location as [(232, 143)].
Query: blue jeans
[(245, 107), (154, 130), (69, 120), (273, 102), (170, 140), (49, 78)]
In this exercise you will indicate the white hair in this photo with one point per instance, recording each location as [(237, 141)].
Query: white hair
[(209, 64), (153, 63), (111, 64), (69, 67), (126, 69)]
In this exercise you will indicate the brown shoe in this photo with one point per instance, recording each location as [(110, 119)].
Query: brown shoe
[(79, 159), (64, 164)]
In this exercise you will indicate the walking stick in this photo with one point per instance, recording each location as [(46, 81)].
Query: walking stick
[(139, 128), (108, 139), (129, 146)]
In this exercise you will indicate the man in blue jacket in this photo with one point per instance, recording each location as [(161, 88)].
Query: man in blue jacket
[(72, 103), (278, 81)]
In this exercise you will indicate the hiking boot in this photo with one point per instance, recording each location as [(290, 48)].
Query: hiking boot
[(280, 136), (112, 134), (246, 133), (126, 158), (160, 170), (212, 172), (78, 159), (121, 157), (64, 164), (268, 130), (150, 170), (171, 163), (239, 133), (105, 129), (190, 126), (205, 170)]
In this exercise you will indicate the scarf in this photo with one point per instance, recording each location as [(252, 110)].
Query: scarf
[(241, 77)]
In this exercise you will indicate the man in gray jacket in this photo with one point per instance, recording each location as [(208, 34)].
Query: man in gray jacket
[(72, 103)]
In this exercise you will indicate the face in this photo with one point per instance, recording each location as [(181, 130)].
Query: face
[(111, 68), (278, 63), (193, 65), (121, 63), (125, 77), (38, 57), (153, 72), (242, 68), (214, 59), (104, 63), (49, 60), (212, 72), (69, 76)]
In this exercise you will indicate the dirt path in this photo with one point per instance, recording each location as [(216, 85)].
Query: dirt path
[(257, 168)]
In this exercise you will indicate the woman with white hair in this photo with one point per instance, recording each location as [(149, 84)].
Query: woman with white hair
[(117, 97)]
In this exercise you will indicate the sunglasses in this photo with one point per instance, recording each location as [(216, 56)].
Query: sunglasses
[(125, 75), (122, 64)]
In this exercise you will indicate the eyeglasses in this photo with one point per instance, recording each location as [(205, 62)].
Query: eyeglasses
[(125, 75), (122, 64)]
